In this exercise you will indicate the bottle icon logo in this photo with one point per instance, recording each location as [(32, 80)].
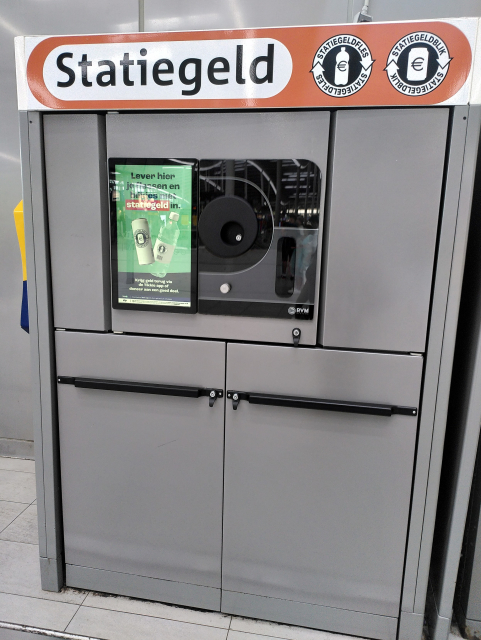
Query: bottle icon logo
[(342, 66), (417, 68), (341, 74)]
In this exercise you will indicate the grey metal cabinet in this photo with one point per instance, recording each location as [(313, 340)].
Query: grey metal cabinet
[(387, 175), (316, 502), (76, 177), (142, 473)]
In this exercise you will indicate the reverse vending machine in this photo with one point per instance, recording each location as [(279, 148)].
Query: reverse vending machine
[(247, 250)]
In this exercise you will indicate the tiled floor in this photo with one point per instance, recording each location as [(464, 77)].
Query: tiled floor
[(94, 615)]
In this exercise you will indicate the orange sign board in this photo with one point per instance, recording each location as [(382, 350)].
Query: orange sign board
[(368, 64)]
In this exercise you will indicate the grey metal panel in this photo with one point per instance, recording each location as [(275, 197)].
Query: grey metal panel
[(437, 378), (142, 474), (308, 615), (381, 235), (218, 14), (467, 601), (33, 317), (220, 135), (188, 595), (51, 573), (455, 281), (76, 177), (470, 583), (43, 365), (439, 626), (19, 18), (316, 503), (410, 626), (462, 429)]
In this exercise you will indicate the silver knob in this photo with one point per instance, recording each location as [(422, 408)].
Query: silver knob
[(225, 288)]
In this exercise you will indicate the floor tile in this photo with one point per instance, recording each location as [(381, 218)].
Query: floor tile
[(260, 628), (9, 511), (24, 528), (240, 635), (157, 610), (17, 486), (20, 574), (116, 625), (17, 464), (36, 613)]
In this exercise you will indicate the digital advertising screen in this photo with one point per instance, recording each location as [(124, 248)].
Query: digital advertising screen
[(153, 205)]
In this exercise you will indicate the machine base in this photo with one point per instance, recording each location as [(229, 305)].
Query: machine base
[(125, 584), (309, 615)]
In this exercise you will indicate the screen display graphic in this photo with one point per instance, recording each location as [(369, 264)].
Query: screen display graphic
[(153, 219)]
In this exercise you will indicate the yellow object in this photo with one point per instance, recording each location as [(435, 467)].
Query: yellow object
[(20, 226)]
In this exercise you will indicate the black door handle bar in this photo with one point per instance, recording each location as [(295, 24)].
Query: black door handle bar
[(143, 387), (322, 405)]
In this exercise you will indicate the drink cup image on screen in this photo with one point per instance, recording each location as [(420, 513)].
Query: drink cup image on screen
[(143, 242), (165, 245)]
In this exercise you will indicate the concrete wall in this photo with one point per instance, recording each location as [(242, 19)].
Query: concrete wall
[(37, 17)]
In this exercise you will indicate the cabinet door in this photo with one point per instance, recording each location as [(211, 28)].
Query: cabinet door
[(142, 472), (387, 173), (78, 219), (317, 500)]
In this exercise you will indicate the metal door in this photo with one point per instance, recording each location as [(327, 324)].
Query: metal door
[(386, 190), (142, 463), (318, 469)]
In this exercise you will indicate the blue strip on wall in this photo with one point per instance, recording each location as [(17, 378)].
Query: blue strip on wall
[(24, 312)]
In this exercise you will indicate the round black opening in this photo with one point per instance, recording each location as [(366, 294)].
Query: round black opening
[(228, 226), (232, 233)]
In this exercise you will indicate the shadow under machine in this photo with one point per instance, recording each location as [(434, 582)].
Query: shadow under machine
[(233, 342)]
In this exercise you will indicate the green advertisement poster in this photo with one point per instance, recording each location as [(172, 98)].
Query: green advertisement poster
[(153, 258)]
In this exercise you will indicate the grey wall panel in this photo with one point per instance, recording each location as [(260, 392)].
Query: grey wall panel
[(141, 473), (220, 135), (238, 14), (382, 10), (77, 197), (346, 477), (24, 17), (161, 15), (383, 219)]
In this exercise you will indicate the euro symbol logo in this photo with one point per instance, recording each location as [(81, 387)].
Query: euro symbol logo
[(342, 66), (417, 64)]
